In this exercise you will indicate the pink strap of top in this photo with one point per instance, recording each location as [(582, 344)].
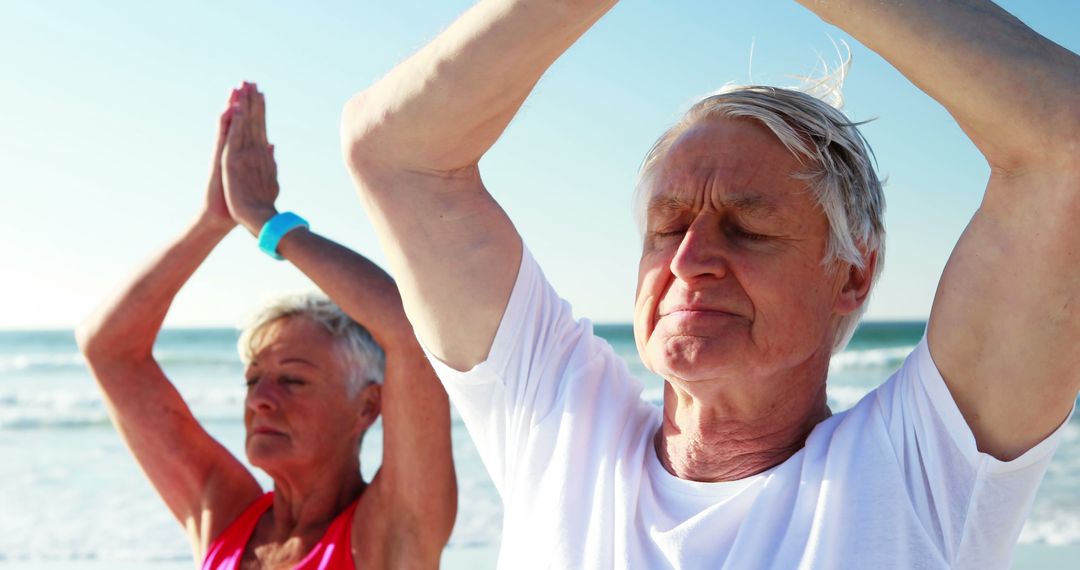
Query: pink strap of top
[(333, 552)]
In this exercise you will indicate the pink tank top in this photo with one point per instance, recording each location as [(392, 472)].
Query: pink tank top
[(333, 552)]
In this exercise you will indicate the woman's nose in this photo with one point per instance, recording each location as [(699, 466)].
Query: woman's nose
[(261, 395)]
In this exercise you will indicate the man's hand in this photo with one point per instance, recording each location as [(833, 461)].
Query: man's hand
[(250, 173)]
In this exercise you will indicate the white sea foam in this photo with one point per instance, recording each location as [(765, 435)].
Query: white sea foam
[(51, 362), (870, 358), (840, 397), (31, 409), (653, 395), (1072, 430), (844, 397), (46, 361), (1058, 528)]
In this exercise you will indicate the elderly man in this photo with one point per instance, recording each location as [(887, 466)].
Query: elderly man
[(762, 241)]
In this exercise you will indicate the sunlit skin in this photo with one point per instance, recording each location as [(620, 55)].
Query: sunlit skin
[(304, 417), (303, 429), (735, 308), (298, 411)]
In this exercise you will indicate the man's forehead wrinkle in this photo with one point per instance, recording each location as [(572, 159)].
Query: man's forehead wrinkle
[(674, 196), (752, 204), (666, 203)]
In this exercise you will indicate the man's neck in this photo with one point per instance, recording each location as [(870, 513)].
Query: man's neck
[(724, 437)]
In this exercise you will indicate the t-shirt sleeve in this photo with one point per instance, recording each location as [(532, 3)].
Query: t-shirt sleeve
[(971, 503), (538, 351)]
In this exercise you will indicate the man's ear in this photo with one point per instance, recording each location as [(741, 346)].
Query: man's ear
[(856, 286), (369, 405)]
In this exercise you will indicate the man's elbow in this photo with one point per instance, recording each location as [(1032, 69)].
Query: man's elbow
[(360, 137)]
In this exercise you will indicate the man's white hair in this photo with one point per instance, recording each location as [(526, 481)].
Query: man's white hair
[(362, 356), (838, 168)]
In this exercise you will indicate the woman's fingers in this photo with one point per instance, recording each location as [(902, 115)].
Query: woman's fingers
[(249, 117), (252, 119), (273, 163), (258, 115), (237, 125), (223, 130)]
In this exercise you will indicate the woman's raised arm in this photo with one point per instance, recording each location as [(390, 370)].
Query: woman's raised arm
[(203, 485)]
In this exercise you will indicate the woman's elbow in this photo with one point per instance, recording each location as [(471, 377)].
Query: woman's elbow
[(100, 345), (88, 338)]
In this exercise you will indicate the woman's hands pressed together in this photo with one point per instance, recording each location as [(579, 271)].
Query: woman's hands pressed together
[(247, 166), (215, 213)]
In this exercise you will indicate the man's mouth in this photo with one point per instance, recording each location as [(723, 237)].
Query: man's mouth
[(699, 310)]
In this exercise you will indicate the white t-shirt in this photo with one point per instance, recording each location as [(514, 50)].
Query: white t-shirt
[(894, 482)]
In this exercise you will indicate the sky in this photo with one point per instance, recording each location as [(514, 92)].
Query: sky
[(108, 111)]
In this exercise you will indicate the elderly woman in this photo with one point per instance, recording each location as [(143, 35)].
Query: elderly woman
[(315, 384)]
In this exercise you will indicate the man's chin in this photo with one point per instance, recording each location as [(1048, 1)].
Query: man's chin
[(694, 359)]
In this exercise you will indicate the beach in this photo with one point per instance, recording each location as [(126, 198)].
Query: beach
[(74, 498)]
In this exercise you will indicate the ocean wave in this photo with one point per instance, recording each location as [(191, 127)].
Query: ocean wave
[(29, 410), (58, 362), (844, 397), (840, 397), (870, 358), (222, 358), (26, 409), (1059, 528), (653, 395), (46, 362), (49, 362)]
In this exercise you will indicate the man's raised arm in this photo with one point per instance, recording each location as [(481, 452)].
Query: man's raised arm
[(1005, 326), (413, 141)]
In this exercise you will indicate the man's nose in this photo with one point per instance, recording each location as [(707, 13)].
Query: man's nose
[(702, 253)]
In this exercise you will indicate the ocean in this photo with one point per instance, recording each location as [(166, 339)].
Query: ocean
[(72, 497)]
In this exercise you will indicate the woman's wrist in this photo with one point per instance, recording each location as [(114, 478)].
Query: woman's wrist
[(213, 223), (255, 219)]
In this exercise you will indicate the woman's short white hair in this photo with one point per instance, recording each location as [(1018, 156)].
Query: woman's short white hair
[(838, 161), (362, 356)]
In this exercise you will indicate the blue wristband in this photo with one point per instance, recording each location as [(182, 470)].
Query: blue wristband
[(275, 228)]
